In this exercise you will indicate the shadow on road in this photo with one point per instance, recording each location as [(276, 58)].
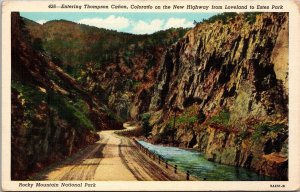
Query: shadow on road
[(81, 158)]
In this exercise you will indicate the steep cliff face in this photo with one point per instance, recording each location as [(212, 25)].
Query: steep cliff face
[(52, 114), (227, 85)]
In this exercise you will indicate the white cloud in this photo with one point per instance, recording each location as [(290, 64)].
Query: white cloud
[(120, 23), (177, 22), (41, 21), (142, 27), (111, 22)]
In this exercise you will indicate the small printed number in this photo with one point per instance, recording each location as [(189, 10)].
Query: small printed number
[(277, 185)]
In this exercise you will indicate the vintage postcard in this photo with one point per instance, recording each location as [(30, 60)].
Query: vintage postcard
[(159, 95)]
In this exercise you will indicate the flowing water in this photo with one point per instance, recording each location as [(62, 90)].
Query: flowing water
[(200, 167)]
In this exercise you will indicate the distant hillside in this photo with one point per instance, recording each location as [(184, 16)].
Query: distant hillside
[(77, 44), (112, 65)]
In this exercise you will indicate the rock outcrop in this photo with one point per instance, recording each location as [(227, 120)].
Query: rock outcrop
[(226, 83)]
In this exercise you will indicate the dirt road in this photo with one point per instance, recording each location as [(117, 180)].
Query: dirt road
[(112, 158)]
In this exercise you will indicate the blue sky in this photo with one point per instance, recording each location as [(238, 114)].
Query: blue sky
[(136, 23)]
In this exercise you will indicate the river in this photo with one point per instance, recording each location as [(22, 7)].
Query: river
[(200, 167)]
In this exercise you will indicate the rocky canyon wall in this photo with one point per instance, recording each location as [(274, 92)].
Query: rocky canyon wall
[(51, 114), (226, 85)]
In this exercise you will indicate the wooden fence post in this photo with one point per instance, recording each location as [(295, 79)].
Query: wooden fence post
[(187, 175), (147, 152)]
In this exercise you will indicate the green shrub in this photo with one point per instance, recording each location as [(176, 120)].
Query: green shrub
[(31, 97), (146, 127), (251, 17), (189, 116), (224, 17), (263, 128), (135, 84), (112, 115), (74, 113), (244, 134), (29, 93), (166, 135), (201, 117), (185, 119), (37, 44), (221, 119)]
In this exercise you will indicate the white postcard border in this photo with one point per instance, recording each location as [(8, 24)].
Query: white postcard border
[(294, 96)]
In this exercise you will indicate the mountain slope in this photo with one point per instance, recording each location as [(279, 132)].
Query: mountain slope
[(110, 64), (53, 116)]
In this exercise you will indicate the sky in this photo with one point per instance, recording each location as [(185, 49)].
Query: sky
[(136, 23)]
